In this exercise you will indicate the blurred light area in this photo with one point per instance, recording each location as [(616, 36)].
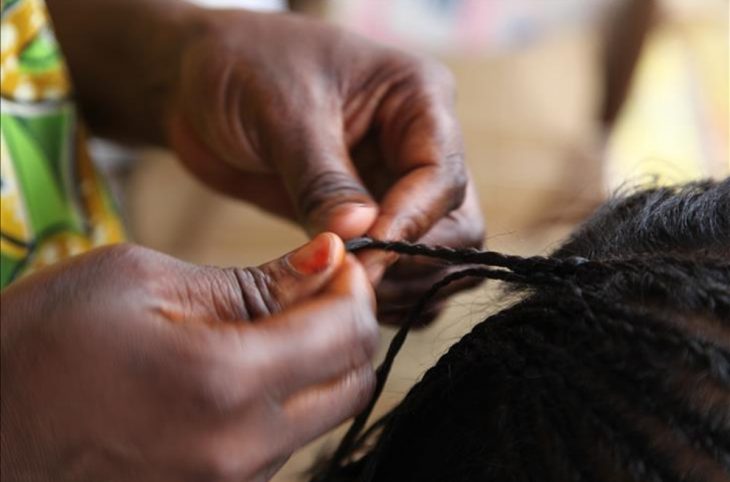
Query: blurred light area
[(462, 26), (675, 125), (262, 5)]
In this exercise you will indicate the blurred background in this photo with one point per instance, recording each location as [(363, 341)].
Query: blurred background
[(562, 102)]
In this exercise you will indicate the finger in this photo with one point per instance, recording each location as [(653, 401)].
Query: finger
[(421, 141), (397, 299), (461, 228), (409, 209), (214, 294), (297, 275), (230, 452), (322, 183), (263, 190), (319, 340), (422, 144), (315, 411), (407, 280)]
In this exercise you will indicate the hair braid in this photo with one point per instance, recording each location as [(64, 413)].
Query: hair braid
[(614, 361), (642, 461), (644, 390)]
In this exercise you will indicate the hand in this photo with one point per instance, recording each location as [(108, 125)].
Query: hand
[(409, 278), (126, 364), (275, 109), (294, 115)]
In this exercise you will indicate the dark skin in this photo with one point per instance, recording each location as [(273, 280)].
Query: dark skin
[(125, 364), (301, 118)]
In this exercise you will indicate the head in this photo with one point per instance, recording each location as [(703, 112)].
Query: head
[(613, 365)]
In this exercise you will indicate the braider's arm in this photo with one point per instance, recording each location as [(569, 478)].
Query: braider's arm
[(625, 36), (123, 57)]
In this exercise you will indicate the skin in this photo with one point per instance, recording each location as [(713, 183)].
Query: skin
[(124, 364), (135, 366), (299, 117)]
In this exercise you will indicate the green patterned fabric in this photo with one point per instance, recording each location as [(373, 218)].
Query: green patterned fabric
[(53, 204)]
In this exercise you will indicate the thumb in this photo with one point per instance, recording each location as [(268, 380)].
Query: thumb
[(235, 294), (322, 182)]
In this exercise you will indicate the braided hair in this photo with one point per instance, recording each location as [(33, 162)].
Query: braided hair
[(614, 365)]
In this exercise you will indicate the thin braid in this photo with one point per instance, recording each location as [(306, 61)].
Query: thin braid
[(601, 415), (587, 271), (517, 264), (576, 454), (709, 433), (420, 395), (704, 433), (420, 391), (537, 354), (384, 369), (645, 392), (703, 353), (597, 289), (610, 319), (541, 270), (350, 440), (708, 292), (716, 440)]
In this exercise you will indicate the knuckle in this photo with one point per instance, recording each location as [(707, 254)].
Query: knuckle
[(475, 238), (132, 261), (439, 74), (457, 179), (321, 191), (418, 223), (476, 232), (431, 74), (258, 292), (129, 253)]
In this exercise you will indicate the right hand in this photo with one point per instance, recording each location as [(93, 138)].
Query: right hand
[(124, 364)]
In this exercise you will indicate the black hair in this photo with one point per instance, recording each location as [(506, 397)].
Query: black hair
[(613, 365)]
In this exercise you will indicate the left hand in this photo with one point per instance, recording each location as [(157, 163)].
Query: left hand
[(125, 364)]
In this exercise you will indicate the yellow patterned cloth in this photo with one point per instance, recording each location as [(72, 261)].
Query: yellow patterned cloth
[(53, 202)]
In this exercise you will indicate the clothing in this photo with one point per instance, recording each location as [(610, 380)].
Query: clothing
[(53, 202)]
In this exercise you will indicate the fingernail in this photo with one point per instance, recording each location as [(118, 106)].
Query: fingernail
[(313, 257)]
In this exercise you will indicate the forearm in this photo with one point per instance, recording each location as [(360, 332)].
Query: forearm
[(123, 57), (624, 39)]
